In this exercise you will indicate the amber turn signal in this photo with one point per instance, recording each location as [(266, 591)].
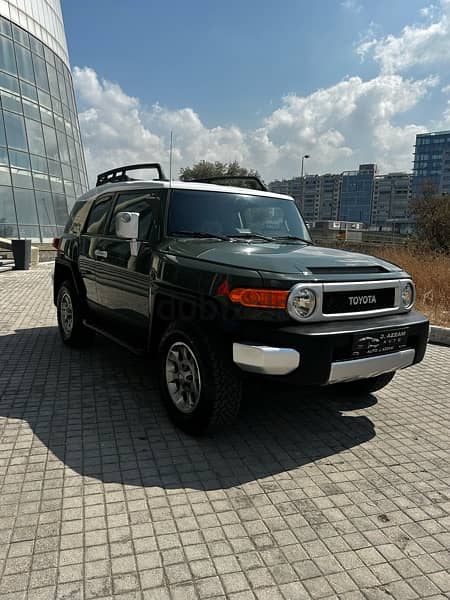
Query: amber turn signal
[(259, 298)]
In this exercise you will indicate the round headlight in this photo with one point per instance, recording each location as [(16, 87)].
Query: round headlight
[(407, 295), (301, 303)]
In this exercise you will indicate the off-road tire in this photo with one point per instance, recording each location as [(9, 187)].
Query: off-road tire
[(221, 382), (78, 335), (363, 386)]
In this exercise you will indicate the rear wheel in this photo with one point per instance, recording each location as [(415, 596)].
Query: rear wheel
[(70, 321), (200, 385), (364, 386)]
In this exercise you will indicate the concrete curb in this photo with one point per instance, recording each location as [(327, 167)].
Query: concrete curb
[(439, 335)]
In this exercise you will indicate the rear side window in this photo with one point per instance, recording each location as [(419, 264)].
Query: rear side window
[(77, 217), (142, 202), (98, 216)]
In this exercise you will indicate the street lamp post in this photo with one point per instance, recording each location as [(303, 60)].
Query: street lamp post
[(303, 158), (303, 181)]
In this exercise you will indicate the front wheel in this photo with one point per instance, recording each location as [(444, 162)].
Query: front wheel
[(200, 385), (70, 320), (364, 386)]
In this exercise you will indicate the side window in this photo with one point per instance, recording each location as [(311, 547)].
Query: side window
[(77, 217), (99, 214), (142, 202)]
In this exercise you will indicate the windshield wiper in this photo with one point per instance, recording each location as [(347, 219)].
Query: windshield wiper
[(294, 238), (249, 236), (200, 234)]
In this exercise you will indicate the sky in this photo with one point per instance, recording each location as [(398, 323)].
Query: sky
[(262, 82)]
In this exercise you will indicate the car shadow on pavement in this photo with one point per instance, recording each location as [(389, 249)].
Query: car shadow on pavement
[(99, 412)]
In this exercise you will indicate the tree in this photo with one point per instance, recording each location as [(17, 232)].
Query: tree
[(204, 169), (432, 213)]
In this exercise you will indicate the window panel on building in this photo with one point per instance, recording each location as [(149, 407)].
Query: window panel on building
[(47, 117), (40, 71), (5, 177), (48, 233), (36, 46), (39, 163), (61, 214), (5, 27), (21, 178), (56, 184), (28, 91), (57, 109), (63, 147), (67, 172), (41, 181), (7, 58), (20, 36), (51, 145), (30, 232), (8, 83), (2, 133), (7, 210), (62, 89), (24, 63), (20, 160), (35, 136), (53, 81), (46, 212), (44, 100), (25, 206), (49, 56), (11, 102), (15, 131), (54, 168), (31, 110)]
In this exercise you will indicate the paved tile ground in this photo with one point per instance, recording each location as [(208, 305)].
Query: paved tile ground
[(308, 497)]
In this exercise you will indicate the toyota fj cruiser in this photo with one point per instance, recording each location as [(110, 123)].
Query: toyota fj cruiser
[(221, 280)]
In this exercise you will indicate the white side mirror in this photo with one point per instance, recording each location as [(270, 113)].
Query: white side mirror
[(127, 225)]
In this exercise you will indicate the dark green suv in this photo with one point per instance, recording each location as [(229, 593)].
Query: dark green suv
[(219, 281)]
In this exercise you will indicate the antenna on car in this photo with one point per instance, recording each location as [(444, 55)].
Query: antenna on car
[(170, 158)]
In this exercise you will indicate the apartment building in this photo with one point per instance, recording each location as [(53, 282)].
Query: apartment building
[(391, 206), (432, 162)]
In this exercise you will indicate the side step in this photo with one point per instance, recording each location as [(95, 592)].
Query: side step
[(113, 338)]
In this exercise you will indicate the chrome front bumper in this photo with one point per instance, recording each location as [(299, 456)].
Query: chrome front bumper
[(267, 360), (371, 366)]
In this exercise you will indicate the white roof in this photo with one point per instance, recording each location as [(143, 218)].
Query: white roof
[(121, 186)]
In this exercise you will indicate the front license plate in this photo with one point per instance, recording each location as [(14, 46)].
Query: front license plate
[(379, 342)]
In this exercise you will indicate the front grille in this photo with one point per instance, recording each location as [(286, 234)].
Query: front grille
[(358, 301)]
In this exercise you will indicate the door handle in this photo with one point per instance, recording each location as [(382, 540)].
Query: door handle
[(101, 253)]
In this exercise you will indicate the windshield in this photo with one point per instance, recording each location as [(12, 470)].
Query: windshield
[(230, 214)]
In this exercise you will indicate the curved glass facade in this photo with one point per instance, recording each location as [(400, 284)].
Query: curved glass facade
[(42, 168)]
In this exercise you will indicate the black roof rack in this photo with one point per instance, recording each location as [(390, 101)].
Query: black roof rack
[(120, 173), (228, 179)]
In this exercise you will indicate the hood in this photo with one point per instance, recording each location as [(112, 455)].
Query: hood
[(279, 258)]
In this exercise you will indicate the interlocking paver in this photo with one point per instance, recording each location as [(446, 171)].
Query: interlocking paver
[(306, 497)]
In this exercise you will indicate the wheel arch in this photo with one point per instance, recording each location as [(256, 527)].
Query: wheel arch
[(64, 271), (167, 308)]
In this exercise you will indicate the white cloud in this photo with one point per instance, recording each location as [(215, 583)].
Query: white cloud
[(426, 44), (430, 12), (352, 5), (350, 122)]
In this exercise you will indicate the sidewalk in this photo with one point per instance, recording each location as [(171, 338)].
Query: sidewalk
[(307, 497)]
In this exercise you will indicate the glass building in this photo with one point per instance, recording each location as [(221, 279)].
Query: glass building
[(357, 194), (432, 162), (42, 167)]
